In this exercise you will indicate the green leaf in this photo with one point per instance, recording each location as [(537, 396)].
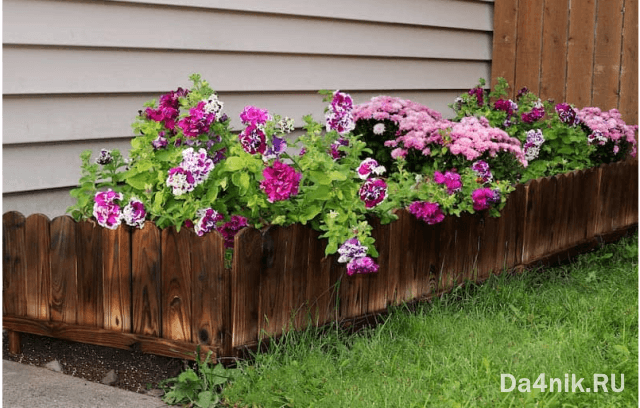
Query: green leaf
[(234, 163), (320, 194), (139, 181), (320, 177), (310, 212)]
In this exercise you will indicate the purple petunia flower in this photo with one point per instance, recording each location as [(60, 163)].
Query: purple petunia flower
[(280, 182), (373, 191), (369, 166), (483, 171), (134, 213), (252, 115), (351, 249), (160, 142), (230, 229), (106, 210), (484, 198), (534, 140), (198, 121), (252, 139), (207, 221), (278, 146), (180, 180), (451, 179), (335, 152), (427, 212), (362, 265), (339, 116), (567, 114), (478, 92), (105, 157)]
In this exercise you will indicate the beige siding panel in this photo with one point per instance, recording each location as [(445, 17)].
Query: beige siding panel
[(136, 26), (51, 203), (29, 70), (473, 15), (82, 117), (46, 166)]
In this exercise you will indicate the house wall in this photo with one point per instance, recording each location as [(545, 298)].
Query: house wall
[(75, 73)]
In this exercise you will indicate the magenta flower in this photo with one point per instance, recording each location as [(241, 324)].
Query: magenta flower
[(134, 213), (362, 265), (373, 191), (608, 126), (167, 111), (198, 121), (252, 115), (479, 94), (231, 228), (280, 182), (278, 146), (483, 171), (484, 198), (106, 210), (160, 142), (252, 139), (207, 221), (537, 112), (335, 152), (351, 249), (508, 106), (451, 179), (369, 166), (180, 180), (567, 114), (427, 212)]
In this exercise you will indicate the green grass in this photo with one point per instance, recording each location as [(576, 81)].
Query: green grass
[(580, 319)]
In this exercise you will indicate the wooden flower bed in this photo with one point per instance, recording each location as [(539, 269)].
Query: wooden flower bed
[(164, 292)]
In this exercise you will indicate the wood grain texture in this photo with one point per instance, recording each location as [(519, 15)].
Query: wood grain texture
[(90, 274), (505, 36), (211, 291), (606, 54), (580, 53), (64, 267), (38, 272), (628, 102), (377, 283), (176, 284), (146, 280), (245, 286), (318, 280), (116, 255), (553, 57), (14, 264), (529, 45), (275, 283)]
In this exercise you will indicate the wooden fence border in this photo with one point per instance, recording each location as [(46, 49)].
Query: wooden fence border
[(167, 292)]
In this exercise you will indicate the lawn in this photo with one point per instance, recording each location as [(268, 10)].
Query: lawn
[(579, 319)]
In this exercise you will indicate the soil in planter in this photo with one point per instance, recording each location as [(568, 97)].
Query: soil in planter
[(137, 372)]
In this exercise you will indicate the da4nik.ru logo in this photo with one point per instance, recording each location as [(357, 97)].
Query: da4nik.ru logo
[(508, 383)]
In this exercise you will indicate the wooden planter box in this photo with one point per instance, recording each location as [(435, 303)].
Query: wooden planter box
[(163, 292)]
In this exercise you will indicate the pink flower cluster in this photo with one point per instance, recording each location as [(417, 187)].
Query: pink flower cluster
[(393, 109), (473, 137), (167, 111), (368, 167), (354, 254), (373, 191), (451, 179), (339, 116), (484, 198), (608, 126), (427, 212), (193, 170), (280, 182), (198, 121)]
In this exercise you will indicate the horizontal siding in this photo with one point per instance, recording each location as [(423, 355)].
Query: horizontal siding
[(29, 70), (135, 26), (472, 15), (117, 112), (75, 73)]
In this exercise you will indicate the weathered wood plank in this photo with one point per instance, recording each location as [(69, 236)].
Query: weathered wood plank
[(528, 45), (275, 282), (107, 338), (176, 284), (606, 54), (297, 261), (377, 282), (318, 278), (90, 274), (446, 259), (64, 279), (116, 255), (628, 101), (211, 290), (505, 35), (553, 57), (14, 264), (582, 20), (38, 272), (146, 280), (245, 287)]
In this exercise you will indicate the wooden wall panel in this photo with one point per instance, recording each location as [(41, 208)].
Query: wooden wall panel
[(529, 45), (580, 53), (38, 268), (628, 106), (505, 35), (553, 57), (606, 54)]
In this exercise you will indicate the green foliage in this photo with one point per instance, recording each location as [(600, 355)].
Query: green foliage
[(200, 387)]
